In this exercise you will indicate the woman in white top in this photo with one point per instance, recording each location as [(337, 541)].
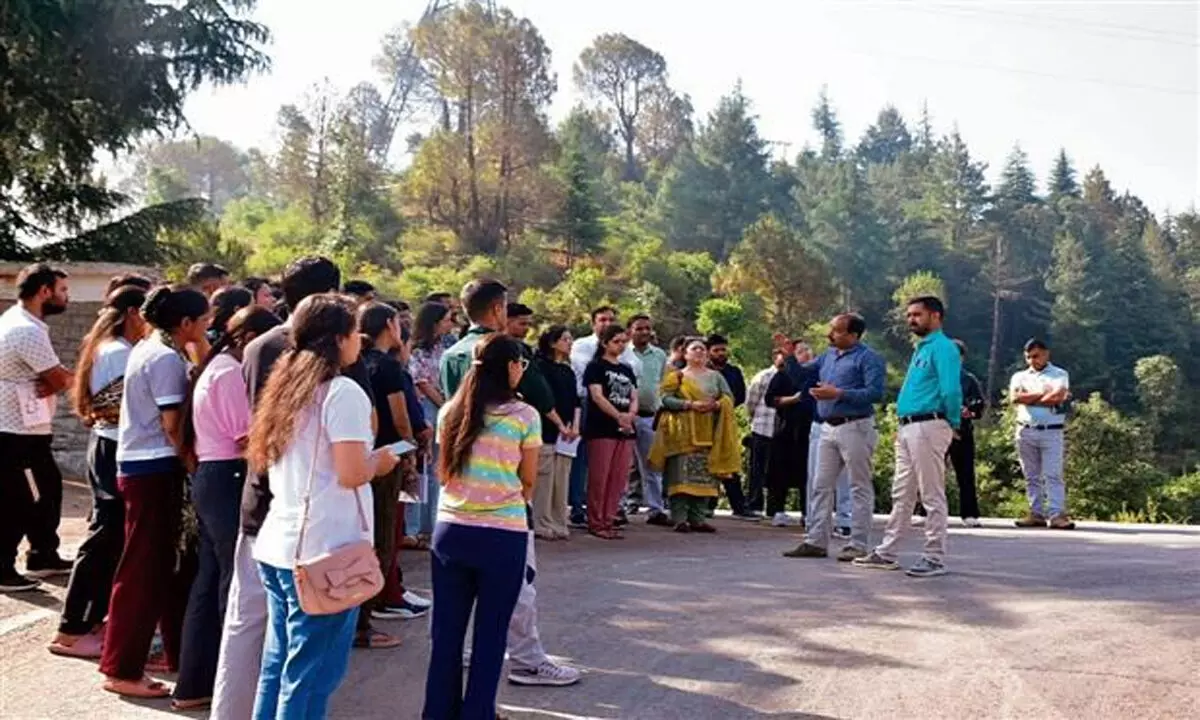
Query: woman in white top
[(97, 401), (311, 425)]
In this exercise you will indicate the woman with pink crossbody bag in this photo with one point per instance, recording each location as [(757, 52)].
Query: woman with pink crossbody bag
[(312, 434)]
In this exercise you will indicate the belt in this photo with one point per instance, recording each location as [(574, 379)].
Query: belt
[(924, 417), (1042, 427), (646, 414), (834, 422)]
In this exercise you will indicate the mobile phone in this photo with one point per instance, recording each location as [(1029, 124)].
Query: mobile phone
[(402, 447)]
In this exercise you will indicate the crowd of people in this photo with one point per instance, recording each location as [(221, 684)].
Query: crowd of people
[(246, 439)]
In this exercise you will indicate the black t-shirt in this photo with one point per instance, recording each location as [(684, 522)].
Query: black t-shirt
[(258, 360), (618, 384), (385, 377), (793, 422)]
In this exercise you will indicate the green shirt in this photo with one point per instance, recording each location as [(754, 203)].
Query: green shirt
[(654, 364), (456, 362), (932, 384)]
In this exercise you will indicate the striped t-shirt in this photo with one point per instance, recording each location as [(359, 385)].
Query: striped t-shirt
[(488, 493)]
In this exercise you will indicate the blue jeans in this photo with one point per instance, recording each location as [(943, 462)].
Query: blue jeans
[(480, 569), (217, 497), (1041, 453), (420, 518), (305, 656)]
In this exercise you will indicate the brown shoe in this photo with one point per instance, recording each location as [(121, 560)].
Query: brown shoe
[(1062, 522), (1032, 520)]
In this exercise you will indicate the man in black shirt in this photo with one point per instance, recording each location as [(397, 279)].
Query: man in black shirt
[(962, 447), (718, 357)]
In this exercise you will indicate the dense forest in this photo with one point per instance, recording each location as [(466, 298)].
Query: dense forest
[(445, 166)]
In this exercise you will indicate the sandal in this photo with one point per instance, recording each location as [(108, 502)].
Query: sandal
[(193, 704), (143, 688), (683, 528), (85, 647), (414, 542), (703, 527), (159, 663), (375, 640)]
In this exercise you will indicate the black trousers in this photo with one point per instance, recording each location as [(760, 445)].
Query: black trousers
[(733, 493), (787, 467), (96, 561), (760, 455), (962, 457), (31, 495), (216, 497)]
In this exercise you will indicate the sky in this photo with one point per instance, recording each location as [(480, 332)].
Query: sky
[(1117, 84)]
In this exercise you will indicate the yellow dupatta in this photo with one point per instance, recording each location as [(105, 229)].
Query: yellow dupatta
[(689, 431)]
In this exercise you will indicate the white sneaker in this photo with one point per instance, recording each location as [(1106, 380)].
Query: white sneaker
[(781, 519), (412, 598), (545, 674), (972, 523)]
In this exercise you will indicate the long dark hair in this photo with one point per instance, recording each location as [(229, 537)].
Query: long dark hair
[(167, 306), (547, 339), (245, 325), (425, 326), (485, 386), (607, 335), (373, 319), (109, 325), (313, 359), (225, 302)]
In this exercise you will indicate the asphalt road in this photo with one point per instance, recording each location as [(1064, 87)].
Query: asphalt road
[(1100, 623)]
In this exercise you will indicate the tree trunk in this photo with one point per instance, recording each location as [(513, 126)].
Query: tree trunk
[(997, 290)]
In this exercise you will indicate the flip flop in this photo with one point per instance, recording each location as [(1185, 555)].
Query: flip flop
[(376, 640), (86, 647), (193, 704), (144, 688)]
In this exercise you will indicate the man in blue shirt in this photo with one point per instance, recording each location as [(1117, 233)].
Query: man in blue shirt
[(930, 410), (850, 381)]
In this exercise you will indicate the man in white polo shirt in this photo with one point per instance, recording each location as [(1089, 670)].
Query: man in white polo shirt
[(30, 377), (1040, 393)]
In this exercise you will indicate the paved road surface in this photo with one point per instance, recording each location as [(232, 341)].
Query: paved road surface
[(1100, 623)]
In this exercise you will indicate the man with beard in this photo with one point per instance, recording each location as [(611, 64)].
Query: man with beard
[(30, 377), (929, 409)]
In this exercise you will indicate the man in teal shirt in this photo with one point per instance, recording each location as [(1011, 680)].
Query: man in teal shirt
[(486, 302), (650, 377), (930, 410)]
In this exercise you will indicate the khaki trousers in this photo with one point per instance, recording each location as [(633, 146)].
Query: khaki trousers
[(920, 475)]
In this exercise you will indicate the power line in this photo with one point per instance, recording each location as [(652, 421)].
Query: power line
[(1048, 21), (1022, 71)]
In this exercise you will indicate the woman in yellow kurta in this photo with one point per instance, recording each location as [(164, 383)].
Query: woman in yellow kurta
[(695, 444)]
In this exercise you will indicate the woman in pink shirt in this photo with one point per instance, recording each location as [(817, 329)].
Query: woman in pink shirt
[(215, 431)]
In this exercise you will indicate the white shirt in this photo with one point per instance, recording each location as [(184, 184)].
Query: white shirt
[(583, 351), (762, 416), (1050, 378), (25, 353), (108, 365), (333, 519)]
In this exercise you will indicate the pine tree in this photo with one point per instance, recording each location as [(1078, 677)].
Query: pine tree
[(578, 221), (1017, 183), (714, 190), (1062, 178), (887, 140), (826, 123)]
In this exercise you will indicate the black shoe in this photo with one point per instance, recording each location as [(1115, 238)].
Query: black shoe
[(579, 522), (842, 532), (660, 519), (13, 581), (747, 516), (44, 566), (621, 520)]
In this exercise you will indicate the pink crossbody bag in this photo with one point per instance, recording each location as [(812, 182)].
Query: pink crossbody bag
[(345, 577)]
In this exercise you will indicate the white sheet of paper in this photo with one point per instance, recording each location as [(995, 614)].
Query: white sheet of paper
[(568, 448), (35, 411)]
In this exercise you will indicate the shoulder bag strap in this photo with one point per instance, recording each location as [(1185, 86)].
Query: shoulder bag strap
[(312, 470)]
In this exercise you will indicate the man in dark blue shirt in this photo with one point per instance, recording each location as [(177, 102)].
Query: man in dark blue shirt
[(850, 381)]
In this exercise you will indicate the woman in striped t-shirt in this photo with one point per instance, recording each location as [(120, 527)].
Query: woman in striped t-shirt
[(487, 468)]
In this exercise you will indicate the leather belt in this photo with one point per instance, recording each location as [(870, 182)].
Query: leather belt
[(924, 417), (834, 422), (1042, 427)]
